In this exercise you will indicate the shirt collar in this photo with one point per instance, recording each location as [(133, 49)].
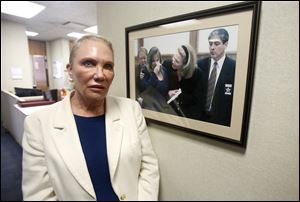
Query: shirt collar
[(220, 61)]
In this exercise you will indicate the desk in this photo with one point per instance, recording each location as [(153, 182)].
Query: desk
[(13, 116), (29, 110)]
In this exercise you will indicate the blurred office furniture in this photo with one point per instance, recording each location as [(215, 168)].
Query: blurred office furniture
[(23, 92), (35, 103), (35, 97), (52, 94), (12, 115)]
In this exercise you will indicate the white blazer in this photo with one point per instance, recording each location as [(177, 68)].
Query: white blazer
[(54, 167)]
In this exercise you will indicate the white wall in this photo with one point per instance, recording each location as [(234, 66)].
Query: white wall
[(203, 46), (167, 44), (57, 58), (193, 167), (14, 54)]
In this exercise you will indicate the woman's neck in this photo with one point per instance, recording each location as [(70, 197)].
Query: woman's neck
[(159, 76), (86, 107), (179, 75)]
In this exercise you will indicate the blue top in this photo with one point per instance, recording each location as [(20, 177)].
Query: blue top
[(151, 79), (92, 136)]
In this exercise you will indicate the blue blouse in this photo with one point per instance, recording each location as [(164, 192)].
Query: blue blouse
[(92, 136), (151, 79)]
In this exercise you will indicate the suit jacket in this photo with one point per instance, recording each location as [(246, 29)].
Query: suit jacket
[(190, 98), (223, 95), (54, 167)]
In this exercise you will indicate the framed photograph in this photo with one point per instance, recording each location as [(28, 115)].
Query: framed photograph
[(195, 71)]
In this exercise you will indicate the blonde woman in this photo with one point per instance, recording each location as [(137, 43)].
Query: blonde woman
[(189, 77), (89, 146)]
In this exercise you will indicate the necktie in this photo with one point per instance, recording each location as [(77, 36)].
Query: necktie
[(211, 87)]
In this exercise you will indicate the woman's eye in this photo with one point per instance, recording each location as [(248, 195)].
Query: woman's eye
[(88, 64), (108, 66)]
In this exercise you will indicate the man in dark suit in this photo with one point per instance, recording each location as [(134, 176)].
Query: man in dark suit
[(217, 80)]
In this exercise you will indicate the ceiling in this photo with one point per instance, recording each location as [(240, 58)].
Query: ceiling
[(58, 19)]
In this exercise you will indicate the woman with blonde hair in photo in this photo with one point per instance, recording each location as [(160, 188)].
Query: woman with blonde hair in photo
[(189, 78)]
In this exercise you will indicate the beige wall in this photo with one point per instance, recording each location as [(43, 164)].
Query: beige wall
[(14, 54), (58, 51), (197, 168)]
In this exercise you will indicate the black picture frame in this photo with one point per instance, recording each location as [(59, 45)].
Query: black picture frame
[(241, 20)]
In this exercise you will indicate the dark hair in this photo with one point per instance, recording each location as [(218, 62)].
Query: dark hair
[(152, 52), (220, 33), (186, 58)]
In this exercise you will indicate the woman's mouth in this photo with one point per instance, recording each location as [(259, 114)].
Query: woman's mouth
[(97, 87)]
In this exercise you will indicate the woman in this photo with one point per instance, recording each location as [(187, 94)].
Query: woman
[(158, 78), (189, 77), (141, 69), (141, 72), (89, 146)]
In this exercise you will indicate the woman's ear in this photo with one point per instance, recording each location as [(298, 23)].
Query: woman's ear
[(69, 68)]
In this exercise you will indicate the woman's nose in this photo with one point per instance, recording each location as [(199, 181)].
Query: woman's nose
[(99, 73)]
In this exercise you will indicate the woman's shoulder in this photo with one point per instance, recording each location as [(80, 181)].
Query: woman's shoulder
[(48, 111), (122, 106), (121, 100)]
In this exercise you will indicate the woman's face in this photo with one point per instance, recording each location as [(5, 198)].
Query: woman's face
[(177, 61), (142, 59), (92, 69), (155, 61)]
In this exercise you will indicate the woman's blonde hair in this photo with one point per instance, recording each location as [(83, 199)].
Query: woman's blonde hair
[(189, 61), (85, 38)]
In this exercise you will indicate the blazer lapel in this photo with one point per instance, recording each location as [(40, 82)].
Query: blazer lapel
[(68, 145), (114, 134)]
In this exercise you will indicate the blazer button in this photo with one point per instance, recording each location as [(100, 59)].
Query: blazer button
[(122, 197)]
